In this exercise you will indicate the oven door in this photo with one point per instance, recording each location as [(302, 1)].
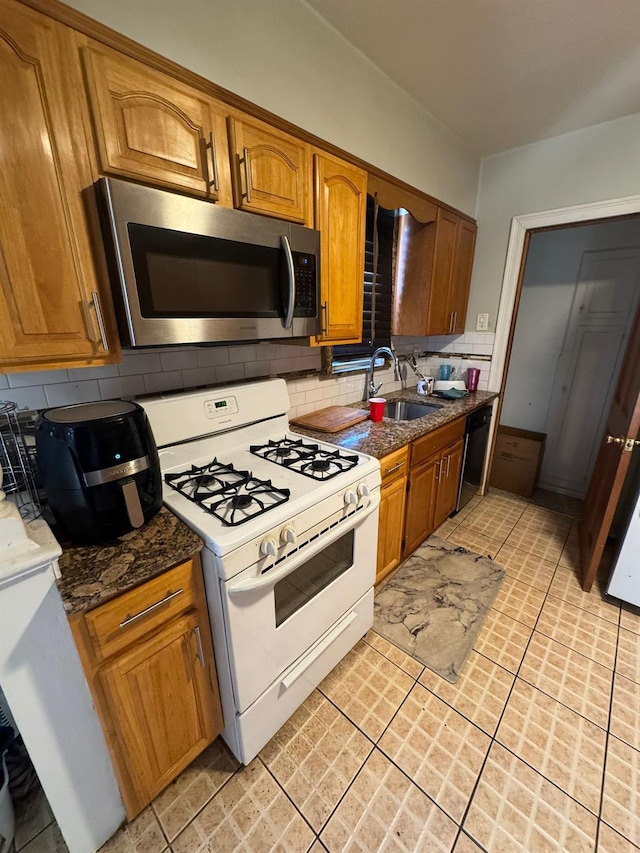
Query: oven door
[(273, 619)]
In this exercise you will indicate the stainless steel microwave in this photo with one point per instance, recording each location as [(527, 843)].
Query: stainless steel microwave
[(187, 271)]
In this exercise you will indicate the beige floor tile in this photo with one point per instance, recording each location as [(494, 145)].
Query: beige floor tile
[(576, 681), (610, 841), (503, 640), (142, 835), (250, 813), (447, 527), (183, 799), (539, 542), (383, 810), (525, 567), (50, 840), (32, 815), (475, 542), (630, 618), (566, 585), (317, 847), (570, 557), (464, 844), (625, 711), (437, 748), (579, 630), (628, 660), (315, 756), (621, 800), (480, 693), (495, 524), (541, 518), (410, 665), (516, 809), (560, 744), (520, 601), (368, 688), (497, 499), (469, 507)]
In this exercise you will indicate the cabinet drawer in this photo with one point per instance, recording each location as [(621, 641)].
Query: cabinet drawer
[(116, 624), (394, 465), (423, 448)]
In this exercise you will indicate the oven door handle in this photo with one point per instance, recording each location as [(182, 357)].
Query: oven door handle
[(272, 576)]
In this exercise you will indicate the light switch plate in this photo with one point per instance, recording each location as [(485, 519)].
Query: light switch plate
[(482, 323)]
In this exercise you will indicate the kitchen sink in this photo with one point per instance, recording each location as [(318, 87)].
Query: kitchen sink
[(402, 410)]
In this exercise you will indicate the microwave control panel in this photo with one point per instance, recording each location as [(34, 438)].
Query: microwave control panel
[(306, 304)]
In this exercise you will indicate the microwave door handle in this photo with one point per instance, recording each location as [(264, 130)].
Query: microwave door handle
[(286, 248)]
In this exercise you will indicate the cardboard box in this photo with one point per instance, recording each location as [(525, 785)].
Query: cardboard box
[(517, 460)]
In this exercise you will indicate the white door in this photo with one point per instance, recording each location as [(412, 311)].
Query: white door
[(604, 305)]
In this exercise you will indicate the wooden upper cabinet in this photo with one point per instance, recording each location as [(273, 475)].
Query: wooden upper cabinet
[(271, 170), (340, 215), (153, 128), (440, 316), (461, 274), (51, 314)]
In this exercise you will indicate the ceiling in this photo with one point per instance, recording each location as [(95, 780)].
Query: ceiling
[(502, 73)]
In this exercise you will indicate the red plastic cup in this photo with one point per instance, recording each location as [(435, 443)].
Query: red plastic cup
[(376, 408), (473, 374)]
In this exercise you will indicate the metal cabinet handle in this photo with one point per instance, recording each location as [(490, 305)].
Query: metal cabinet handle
[(324, 322), (448, 465), (129, 618), (95, 300), (214, 161), (395, 468), (454, 321), (623, 441), (439, 473), (245, 159), (199, 652)]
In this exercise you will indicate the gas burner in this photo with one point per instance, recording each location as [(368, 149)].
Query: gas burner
[(231, 496), (308, 459)]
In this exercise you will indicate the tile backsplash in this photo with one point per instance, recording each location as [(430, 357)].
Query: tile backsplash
[(175, 368)]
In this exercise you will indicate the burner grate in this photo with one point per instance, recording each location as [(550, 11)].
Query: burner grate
[(305, 458), (232, 496)]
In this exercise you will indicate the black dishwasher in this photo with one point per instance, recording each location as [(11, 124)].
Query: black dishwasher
[(475, 447)]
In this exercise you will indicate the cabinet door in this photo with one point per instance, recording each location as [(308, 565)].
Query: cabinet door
[(421, 504), (440, 314), (150, 127), (451, 465), (340, 216), (271, 170), (163, 704), (461, 275), (49, 315), (392, 504)]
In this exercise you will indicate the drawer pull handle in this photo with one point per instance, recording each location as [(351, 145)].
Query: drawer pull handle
[(199, 652), (129, 618), (395, 468), (214, 162), (439, 472)]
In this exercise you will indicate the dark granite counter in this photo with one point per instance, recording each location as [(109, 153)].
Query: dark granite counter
[(93, 574), (379, 439)]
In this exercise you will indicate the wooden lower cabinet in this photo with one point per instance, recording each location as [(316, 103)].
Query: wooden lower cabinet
[(157, 696), (448, 482), (421, 504)]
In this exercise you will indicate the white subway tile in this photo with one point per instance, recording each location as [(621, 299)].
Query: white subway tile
[(483, 349), (314, 396), (196, 376), (212, 356), (32, 397), (67, 393), (121, 386), (230, 372), (298, 398), (282, 365), (168, 380), (305, 408), (179, 360), (242, 354), (80, 374), (254, 369), (330, 390), (264, 351), (139, 363), (37, 377), (4, 381)]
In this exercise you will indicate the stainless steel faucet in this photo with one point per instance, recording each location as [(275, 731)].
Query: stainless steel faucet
[(373, 388)]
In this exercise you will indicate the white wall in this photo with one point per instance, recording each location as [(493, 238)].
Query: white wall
[(594, 164), (551, 274), (284, 57)]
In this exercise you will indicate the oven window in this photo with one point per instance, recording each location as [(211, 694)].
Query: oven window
[(188, 275), (292, 592)]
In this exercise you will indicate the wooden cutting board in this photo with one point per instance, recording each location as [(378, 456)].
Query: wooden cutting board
[(331, 419)]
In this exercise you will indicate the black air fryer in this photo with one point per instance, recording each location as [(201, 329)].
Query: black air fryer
[(99, 468)]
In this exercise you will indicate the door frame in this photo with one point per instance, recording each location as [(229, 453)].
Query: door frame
[(520, 231)]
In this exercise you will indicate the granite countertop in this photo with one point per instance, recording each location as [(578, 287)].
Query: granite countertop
[(93, 574), (379, 439)]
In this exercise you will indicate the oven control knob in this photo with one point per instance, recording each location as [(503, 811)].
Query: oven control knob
[(350, 498), (288, 536), (269, 548), (363, 490)]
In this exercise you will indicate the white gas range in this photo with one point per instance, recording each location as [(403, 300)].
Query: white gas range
[(290, 532)]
